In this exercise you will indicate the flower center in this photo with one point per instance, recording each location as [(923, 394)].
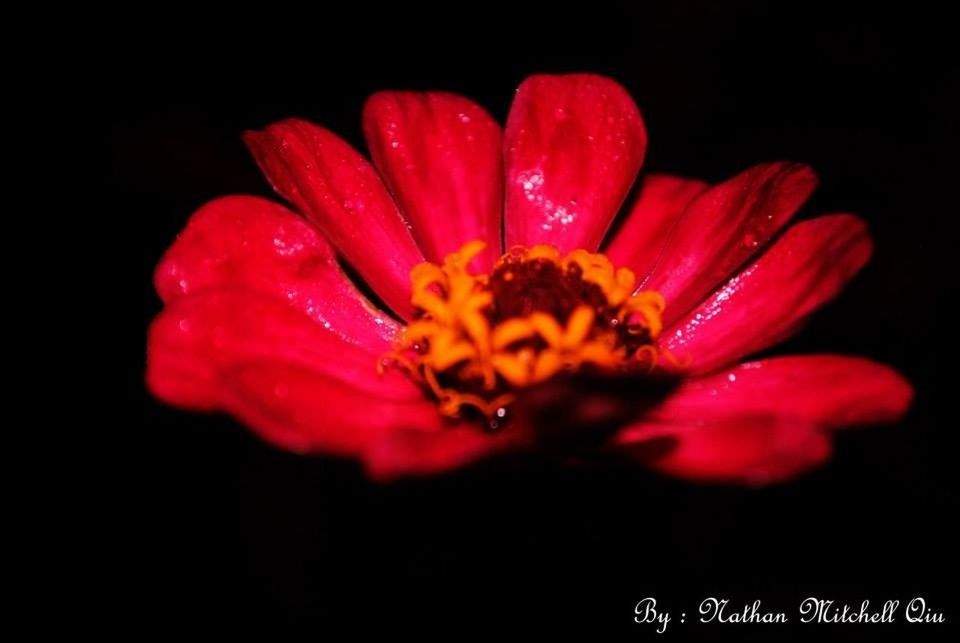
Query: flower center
[(477, 338)]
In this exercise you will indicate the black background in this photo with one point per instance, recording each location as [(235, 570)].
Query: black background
[(243, 536)]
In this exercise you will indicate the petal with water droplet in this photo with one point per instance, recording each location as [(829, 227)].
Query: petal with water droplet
[(723, 227), (769, 299), (249, 243), (341, 193), (832, 391), (574, 145)]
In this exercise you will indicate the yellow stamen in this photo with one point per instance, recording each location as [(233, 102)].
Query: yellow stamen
[(548, 328), (515, 367), (510, 331), (542, 251), (578, 327), (547, 364), (469, 352)]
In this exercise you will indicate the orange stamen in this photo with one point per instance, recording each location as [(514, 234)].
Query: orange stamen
[(469, 352)]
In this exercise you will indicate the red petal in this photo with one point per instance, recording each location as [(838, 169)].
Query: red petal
[(341, 193), (769, 299), (574, 145), (250, 243), (301, 388), (826, 390), (198, 338), (656, 211), (749, 450), (440, 155), (412, 453), (723, 227), (298, 409)]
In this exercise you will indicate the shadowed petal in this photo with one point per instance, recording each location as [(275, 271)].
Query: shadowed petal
[(302, 410), (832, 391), (753, 450), (661, 201), (412, 453)]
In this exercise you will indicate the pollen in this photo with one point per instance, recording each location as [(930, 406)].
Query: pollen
[(476, 339)]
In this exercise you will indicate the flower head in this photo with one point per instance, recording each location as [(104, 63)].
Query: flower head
[(475, 338), (518, 316)]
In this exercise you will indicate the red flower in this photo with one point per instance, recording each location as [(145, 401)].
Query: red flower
[(262, 322)]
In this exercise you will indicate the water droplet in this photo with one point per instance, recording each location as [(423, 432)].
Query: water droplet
[(498, 421), (750, 240), (394, 144), (463, 118), (732, 377)]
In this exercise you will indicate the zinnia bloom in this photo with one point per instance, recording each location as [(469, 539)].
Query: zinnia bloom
[(512, 315)]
